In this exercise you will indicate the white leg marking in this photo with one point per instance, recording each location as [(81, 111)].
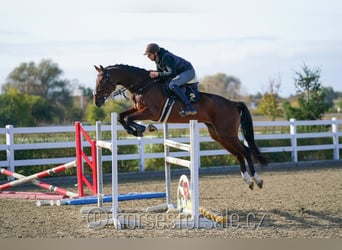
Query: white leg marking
[(258, 180), (247, 179)]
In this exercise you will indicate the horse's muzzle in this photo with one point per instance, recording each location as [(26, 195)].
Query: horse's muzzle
[(98, 101)]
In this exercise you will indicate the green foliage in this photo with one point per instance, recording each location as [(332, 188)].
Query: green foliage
[(93, 113), (42, 79), (22, 110), (312, 99), (154, 163), (269, 106), (51, 95)]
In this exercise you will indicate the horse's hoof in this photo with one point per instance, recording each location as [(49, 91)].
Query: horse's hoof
[(138, 133), (260, 183), (151, 128), (130, 131), (251, 185), (141, 130)]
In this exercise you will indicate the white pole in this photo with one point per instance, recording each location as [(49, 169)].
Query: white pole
[(167, 166), (293, 132), (99, 166), (10, 150), (195, 161), (334, 128), (115, 188)]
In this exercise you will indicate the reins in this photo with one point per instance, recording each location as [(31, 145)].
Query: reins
[(131, 89), (116, 93)]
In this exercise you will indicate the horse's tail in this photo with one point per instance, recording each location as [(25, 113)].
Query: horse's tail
[(248, 132)]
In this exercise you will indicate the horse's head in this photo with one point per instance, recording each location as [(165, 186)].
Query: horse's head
[(104, 85)]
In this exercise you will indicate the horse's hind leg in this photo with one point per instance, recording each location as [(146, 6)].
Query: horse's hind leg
[(233, 145), (256, 178), (246, 154)]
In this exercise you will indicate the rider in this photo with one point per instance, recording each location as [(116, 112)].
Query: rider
[(170, 66)]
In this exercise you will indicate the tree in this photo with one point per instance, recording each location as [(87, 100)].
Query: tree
[(312, 100), (33, 79), (43, 80), (221, 84), (269, 104), (329, 96), (20, 109)]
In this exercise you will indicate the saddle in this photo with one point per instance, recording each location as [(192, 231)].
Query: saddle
[(190, 90)]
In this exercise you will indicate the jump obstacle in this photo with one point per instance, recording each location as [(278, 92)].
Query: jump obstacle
[(95, 164), (188, 192), (34, 181), (94, 185), (21, 179), (188, 203), (81, 178), (112, 146)]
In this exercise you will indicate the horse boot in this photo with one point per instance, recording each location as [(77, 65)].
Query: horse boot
[(189, 109)]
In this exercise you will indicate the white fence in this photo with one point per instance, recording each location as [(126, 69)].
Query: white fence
[(10, 135)]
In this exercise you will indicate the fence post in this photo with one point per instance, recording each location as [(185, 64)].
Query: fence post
[(293, 132), (167, 165), (141, 154), (10, 150), (334, 129)]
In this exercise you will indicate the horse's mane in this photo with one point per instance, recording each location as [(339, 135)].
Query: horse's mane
[(134, 69)]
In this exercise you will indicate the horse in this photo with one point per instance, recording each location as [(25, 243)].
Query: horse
[(222, 117)]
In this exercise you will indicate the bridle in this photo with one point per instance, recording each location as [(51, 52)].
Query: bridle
[(108, 80), (103, 91)]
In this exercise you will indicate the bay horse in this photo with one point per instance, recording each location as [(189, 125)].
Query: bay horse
[(222, 117)]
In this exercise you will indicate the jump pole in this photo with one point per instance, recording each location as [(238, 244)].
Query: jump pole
[(39, 183), (38, 175), (99, 165)]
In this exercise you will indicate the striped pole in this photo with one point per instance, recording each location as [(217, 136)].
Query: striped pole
[(39, 183), (38, 175)]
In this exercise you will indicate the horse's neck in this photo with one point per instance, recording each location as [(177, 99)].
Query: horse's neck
[(132, 77)]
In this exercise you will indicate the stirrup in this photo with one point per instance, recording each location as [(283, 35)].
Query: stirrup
[(188, 111)]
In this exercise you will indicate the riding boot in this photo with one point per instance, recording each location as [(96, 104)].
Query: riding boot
[(189, 109)]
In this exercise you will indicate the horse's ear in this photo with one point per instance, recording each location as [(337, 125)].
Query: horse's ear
[(99, 69)]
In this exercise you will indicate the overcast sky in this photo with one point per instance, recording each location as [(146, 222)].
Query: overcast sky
[(253, 40)]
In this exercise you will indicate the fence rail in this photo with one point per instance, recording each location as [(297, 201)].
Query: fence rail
[(10, 134)]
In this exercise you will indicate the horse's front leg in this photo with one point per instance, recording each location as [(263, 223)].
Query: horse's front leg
[(141, 115), (137, 129), (122, 121)]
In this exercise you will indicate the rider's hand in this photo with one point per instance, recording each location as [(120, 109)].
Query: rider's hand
[(154, 74)]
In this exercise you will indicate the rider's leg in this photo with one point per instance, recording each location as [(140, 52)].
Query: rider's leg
[(175, 88)]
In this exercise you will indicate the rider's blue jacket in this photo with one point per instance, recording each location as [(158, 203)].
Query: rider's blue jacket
[(170, 65)]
